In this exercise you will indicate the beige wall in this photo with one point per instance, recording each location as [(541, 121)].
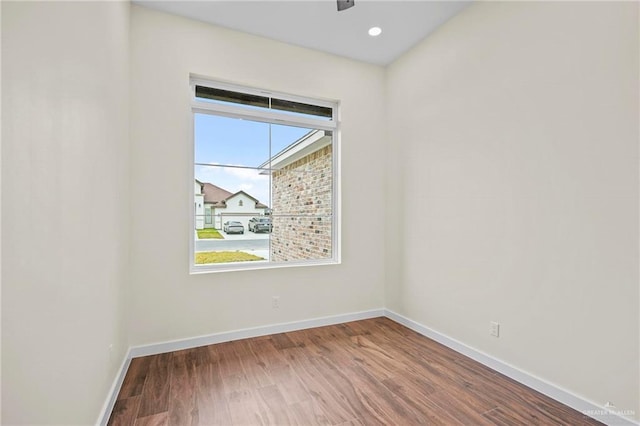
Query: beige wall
[(515, 134), (65, 226), (167, 303)]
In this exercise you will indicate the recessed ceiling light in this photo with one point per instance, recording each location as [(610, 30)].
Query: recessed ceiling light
[(375, 31)]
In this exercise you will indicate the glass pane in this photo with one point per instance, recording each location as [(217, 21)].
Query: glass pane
[(230, 141), (297, 238)]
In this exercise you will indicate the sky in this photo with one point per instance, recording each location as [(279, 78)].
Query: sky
[(236, 142)]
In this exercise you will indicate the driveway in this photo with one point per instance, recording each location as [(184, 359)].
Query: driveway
[(246, 236), (232, 242)]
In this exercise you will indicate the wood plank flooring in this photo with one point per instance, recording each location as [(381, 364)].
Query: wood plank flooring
[(371, 372)]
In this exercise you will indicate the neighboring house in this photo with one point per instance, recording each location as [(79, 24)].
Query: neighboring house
[(301, 181), (220, 205), (199, 204)]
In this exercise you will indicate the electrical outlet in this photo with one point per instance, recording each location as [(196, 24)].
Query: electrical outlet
[(494, 329), (275, 302)]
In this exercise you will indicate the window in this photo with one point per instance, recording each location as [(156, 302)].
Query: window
[(265, 171)]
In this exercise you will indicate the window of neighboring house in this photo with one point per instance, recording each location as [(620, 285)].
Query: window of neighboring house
[(275, 155)]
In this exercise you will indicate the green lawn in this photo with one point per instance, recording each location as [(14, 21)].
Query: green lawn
[(224, 257), (209, 233)]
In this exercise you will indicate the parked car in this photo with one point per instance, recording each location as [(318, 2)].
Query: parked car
[(233, 227), (260, 224)]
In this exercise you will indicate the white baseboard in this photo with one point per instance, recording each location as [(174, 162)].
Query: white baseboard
[(108, 405), (602, 414), (228, 336), (563, 396)]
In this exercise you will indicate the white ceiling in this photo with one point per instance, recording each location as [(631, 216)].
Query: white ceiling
[(317, 24)]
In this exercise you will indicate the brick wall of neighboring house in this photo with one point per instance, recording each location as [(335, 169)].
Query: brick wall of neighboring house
[(302, 188)]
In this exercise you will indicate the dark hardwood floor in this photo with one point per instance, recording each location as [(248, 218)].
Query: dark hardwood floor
[(371, 372)]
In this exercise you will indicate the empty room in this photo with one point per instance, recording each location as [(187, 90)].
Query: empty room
[(320, 212)]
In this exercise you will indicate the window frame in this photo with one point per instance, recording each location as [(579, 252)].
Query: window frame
[(272, 117)]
